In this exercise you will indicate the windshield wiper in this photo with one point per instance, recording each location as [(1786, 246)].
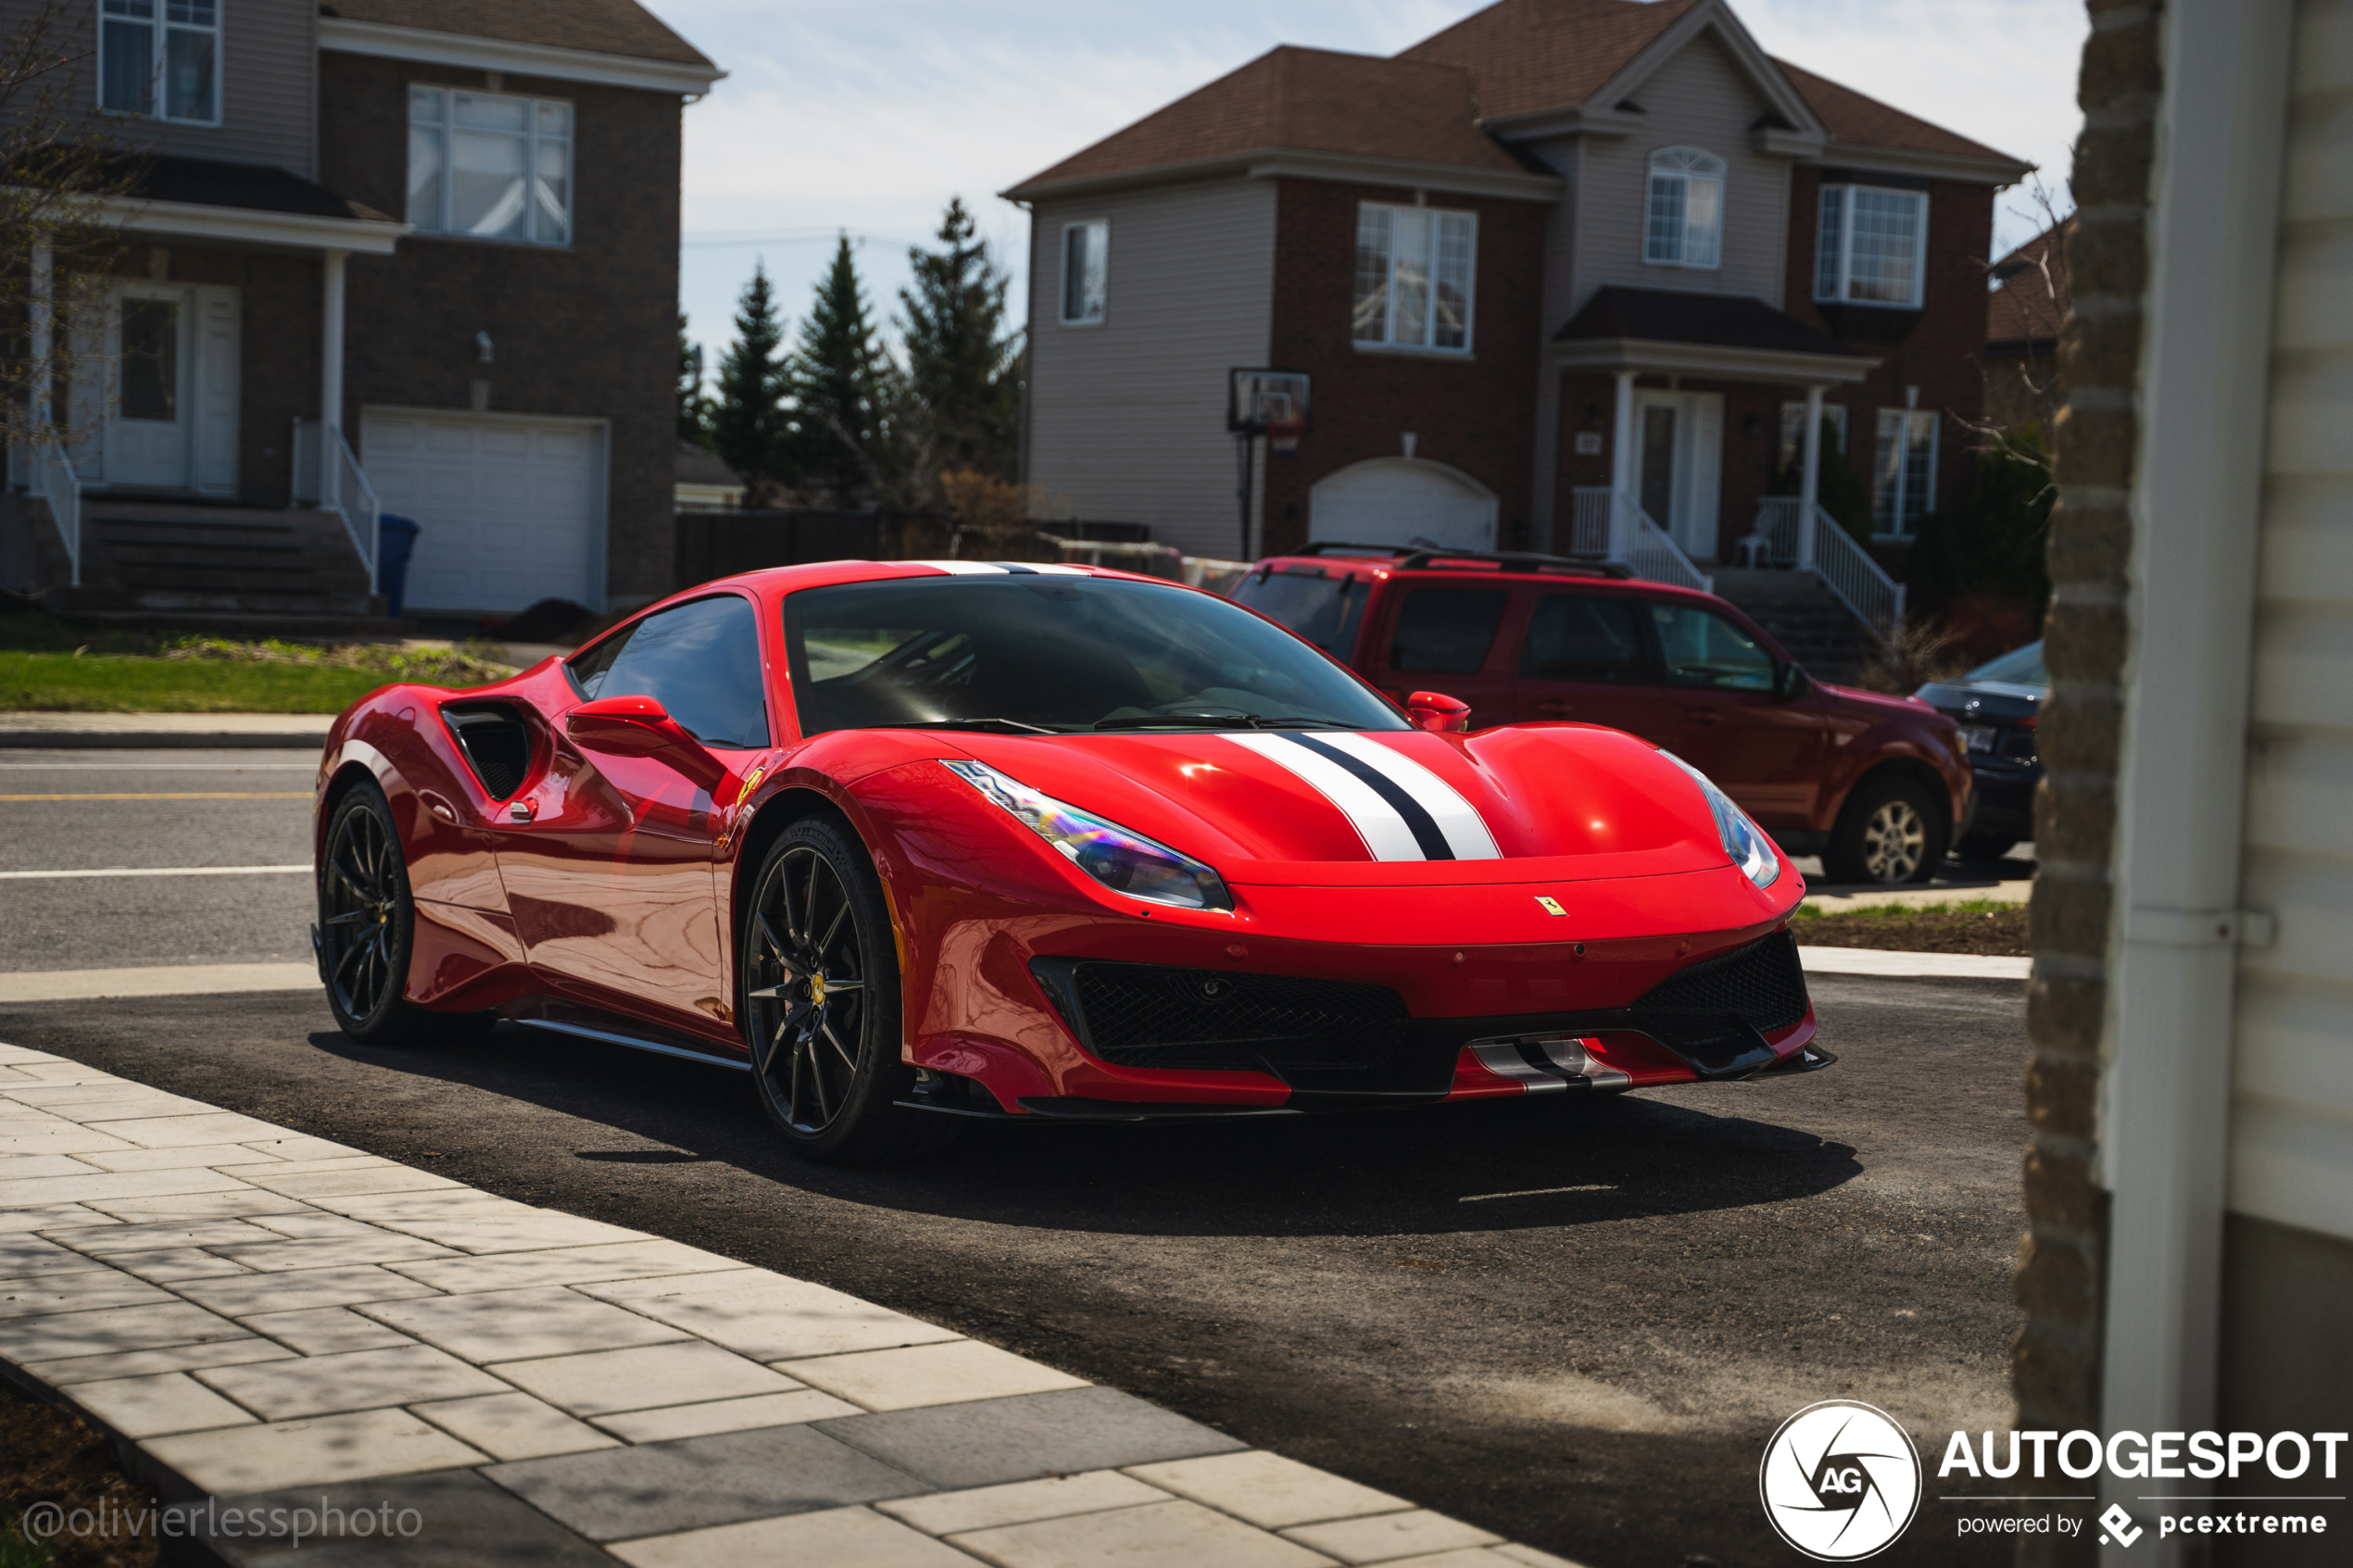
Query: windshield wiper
[(1220, 721), (1011, 726)]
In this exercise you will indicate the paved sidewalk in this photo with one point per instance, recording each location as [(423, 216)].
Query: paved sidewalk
[(175, 731), (279, 1322)]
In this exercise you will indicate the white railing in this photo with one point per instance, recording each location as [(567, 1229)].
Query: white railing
[(1612, 524), (50, 476), (1848, 571), (347, 493)]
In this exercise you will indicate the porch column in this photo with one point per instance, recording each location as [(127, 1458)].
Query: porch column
[(330, 373), (1810, 478), (1623, 473), (41, 305)]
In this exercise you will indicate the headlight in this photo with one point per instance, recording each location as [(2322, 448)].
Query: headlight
[(1127, 863), (1743, 840)]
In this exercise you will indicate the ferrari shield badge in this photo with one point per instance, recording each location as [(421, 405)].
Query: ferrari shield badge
[(1550, 906)]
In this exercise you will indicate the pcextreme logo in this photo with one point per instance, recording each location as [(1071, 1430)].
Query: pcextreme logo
[(1841, 1480)]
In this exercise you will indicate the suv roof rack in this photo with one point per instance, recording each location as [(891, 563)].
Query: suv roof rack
[(1414, 558)]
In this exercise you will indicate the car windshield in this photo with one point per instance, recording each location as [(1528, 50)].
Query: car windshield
[(1058, 654), (1323, 610), (2020, 667)]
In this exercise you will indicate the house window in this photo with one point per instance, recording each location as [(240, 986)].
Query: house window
[(1417, 270), (1086, 272), (489, 167), (1904, 479), (1793, 430), (1685, 225), (160, 59), (1873, 244)]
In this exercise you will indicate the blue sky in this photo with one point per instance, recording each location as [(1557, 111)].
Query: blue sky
[(866, 115)]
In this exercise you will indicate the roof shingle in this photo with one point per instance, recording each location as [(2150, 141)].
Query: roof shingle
[(1530, 56), (602, 27), (1716, 319), (1304, 100), (1856, 120), (2030, 297)]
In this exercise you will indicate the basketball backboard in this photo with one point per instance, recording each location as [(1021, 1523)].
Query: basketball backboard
[(1267, 403)]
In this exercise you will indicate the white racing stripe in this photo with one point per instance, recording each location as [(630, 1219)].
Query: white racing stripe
[(963, 568), (1465, 829), (1376, 821)]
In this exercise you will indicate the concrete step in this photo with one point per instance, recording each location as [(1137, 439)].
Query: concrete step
[(184, 563)]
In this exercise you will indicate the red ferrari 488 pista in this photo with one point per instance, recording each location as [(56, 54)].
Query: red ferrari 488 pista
[(909, 842)]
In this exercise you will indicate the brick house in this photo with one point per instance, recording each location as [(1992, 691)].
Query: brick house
[(444, 231), (1565, 275)]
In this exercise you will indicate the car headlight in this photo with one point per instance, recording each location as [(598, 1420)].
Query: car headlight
[(1124, 861), (1743, 840)]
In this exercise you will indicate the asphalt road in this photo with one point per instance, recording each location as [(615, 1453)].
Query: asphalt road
[(1574, 1323)]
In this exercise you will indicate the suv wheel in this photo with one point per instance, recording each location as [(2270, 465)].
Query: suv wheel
[(1890, 834)]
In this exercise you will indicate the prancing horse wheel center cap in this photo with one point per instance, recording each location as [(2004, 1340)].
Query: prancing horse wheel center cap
[(817, 989)]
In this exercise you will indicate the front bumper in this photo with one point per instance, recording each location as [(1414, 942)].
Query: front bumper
[(2005, 796)]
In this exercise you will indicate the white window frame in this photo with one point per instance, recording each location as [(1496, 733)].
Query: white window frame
[(1838, 264), (1892, 463), (1699, 172), (1793, 430), (532, 138), (1465, 224), (1098, 262), (160, 24)]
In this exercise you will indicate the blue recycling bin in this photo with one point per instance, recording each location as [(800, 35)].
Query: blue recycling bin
[(395, 541)]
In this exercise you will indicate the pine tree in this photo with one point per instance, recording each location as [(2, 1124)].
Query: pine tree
[(963, 366), (842, 389), (694, 404), (748, 426)]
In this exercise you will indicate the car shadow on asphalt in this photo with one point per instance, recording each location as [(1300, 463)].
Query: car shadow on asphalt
[(1499, 1165)]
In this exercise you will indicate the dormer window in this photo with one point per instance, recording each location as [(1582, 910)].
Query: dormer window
[(1685, 226), (1873, 246), (160, 59)]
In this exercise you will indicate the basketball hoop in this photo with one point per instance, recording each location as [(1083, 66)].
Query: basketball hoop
[(1268, 403)]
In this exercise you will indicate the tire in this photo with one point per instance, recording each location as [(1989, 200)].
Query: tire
[(367, 923), (817, 989), (1983, 847), (1890, 834)]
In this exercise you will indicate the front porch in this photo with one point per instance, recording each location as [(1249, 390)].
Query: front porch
[(190, 473), (1675, 362)]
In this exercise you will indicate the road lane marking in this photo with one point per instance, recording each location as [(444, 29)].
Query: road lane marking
[(196, 795), (1531, 1192), (157, 766), (170, 980), (156, 870)]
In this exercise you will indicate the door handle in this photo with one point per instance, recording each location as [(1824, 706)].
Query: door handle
[(1701, 715), (523, 810)]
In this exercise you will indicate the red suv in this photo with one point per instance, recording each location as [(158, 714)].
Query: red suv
[(1877, 786)]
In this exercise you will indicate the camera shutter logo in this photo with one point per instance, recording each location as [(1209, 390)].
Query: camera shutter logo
[(1841, 1481)]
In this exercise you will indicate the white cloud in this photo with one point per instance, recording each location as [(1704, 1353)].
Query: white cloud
[(867, 116)]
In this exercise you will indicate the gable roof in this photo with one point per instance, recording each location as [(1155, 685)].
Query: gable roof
[(1294, 99), (1856, 120), (602, 27), (2030, 298), (1535, 55)]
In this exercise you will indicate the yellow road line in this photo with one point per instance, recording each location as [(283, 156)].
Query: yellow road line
[(202, 795)]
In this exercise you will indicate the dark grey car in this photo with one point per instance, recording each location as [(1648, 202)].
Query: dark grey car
[(1997, 705)]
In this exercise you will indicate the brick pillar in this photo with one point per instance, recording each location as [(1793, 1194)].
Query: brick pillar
[(2055, 1365)]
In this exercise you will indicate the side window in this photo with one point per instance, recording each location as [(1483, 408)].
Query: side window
[(1701, 648), (588, 670), (702, 662), (1086, 272), (1447, 631), (1578, 637)]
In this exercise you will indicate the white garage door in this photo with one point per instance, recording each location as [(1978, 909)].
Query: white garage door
[(1401, 501), (511, 508)]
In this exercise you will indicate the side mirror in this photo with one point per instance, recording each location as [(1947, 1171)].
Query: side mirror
[(1437, 712), (639, 727), (1794, 681)]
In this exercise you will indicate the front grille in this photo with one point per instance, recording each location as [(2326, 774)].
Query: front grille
[(1711, 1007), (1148, 1015)]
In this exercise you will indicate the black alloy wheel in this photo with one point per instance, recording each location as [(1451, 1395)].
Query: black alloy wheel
[(819, 981), (366, 919)]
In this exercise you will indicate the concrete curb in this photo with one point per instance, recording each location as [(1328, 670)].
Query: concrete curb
[(159, 740), (267, 1323), (209, 732)]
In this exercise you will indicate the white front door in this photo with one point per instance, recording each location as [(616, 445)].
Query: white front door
[(511, 507), (151, 418), (155, 387), (1678, 441)]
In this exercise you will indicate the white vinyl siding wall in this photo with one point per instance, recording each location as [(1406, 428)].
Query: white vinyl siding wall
[(1127, 417), (2292, 1070), (1697, 99), (269, 87)]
